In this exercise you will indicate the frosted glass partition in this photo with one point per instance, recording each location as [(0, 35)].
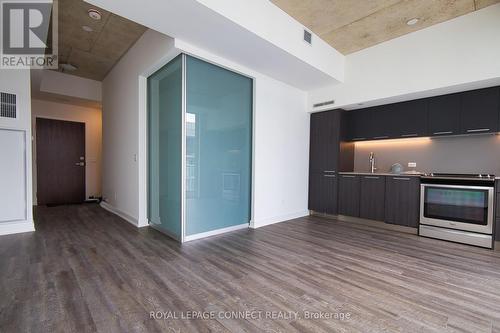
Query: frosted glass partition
[(165, 148), (218, 157)]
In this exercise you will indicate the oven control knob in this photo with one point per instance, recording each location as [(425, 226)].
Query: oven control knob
[(480, 176)]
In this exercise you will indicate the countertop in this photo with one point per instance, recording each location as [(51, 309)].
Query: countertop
[(413, 174)]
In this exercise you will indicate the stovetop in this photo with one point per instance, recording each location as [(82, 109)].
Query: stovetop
[(464, 176)]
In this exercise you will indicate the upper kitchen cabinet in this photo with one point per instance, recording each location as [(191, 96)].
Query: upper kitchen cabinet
[(383, 122), (359, 125), (480, 111), (444, 115), (324, 142), (411, 118)]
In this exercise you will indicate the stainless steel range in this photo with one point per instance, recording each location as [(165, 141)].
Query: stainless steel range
[(458, 208)]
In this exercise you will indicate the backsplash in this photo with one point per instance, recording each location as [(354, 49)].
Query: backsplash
[(460, 154)]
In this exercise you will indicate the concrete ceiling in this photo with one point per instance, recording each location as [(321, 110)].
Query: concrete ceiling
[(352, 25), (96, 52)]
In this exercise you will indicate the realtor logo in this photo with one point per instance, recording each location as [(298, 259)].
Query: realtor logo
[(29, 34)]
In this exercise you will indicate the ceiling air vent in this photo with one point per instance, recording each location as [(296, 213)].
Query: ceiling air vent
[(8, 106), (317, 105), (307, 37)]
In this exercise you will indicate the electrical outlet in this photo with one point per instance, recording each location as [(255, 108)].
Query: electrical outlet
[(412, 165)]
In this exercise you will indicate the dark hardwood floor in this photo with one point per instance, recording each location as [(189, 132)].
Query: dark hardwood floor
[(85, 270)]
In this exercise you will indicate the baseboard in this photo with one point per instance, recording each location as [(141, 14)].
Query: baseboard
[(120, 213), (16, 227), (278, 219), (215, 232), (164, 231), (378, 224)]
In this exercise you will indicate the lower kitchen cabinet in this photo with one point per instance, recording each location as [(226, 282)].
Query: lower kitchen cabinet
[(349, 191), (372, 198), (323, 189), (402, 200), (497, 230)]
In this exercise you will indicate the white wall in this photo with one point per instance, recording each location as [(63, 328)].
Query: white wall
[(16, 214), (93, 138), (457, 55), (281, 135), (69, 85), (124, 136)]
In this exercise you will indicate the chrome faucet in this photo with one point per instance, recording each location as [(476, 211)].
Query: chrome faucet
[(372, 163)]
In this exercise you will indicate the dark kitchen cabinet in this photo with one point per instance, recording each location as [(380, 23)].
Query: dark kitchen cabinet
[(324, 141), (359, 125), (349, 191), (410, 118), (480, 111), (324, 161), (444, 115), (497, 230), (383, 122), (372, 198), (402, 200), (323, 189)]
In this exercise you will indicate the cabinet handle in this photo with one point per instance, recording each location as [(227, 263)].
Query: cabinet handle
[(347, 176), (399, 178), (478, 130), (358, 139), (441, 133), (330, 171), (371, 177), (333, 176), (381, 137), (409, 135)]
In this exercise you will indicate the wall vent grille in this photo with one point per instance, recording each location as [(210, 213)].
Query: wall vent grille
[(8, 104), (307, 37), (317, 105)]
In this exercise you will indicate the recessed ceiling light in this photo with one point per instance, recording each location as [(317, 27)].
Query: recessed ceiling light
[(87, 28), (412, 21), (94, 14), (68, 67)]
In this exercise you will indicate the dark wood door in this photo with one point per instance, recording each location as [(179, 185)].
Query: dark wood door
[(402, 201), (349, 195), (444, 115), (372, 198), (480, 111), (60, 152)]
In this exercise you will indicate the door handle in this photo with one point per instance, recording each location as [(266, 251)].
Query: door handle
[(80, 164), (478, 130)]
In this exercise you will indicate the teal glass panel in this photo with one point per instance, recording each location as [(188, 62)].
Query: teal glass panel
[(165, 147), (218, 147)]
